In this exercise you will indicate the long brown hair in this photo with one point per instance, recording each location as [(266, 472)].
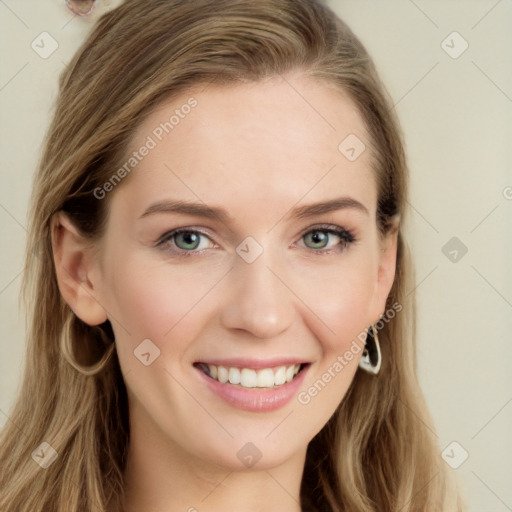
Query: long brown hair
[(378, 451)]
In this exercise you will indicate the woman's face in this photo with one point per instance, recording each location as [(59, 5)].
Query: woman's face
[(280, 267)]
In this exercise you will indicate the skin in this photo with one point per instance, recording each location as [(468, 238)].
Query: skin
[(257, 150)]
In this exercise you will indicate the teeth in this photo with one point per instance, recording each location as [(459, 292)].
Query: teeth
[(234, 376), (222, 374), (248, 378), (280, 376), (213, 371), (266, 378)]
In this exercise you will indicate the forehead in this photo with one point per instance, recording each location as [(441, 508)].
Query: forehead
[(279, 142)]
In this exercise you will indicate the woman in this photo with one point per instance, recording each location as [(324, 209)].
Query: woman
[(217, 279)]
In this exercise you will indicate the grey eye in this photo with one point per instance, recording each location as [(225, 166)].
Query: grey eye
[(187, 240), (317, 239)]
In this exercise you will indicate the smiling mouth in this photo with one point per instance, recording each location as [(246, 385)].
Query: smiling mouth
[(250, 378)]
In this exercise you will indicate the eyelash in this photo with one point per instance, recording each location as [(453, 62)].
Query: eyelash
[(346, 236)]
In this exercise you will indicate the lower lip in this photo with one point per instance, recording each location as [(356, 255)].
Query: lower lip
[(255, 399)]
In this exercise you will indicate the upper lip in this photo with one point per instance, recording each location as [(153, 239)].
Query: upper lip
[(245, 362)]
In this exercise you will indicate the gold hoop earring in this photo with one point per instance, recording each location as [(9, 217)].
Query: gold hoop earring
[(371, 359), (66, 347)]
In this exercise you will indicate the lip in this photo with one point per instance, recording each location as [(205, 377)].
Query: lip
[(255, 364), (256, 399)]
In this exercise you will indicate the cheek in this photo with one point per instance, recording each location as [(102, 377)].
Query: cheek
[(159, 301), (338, 299), (338, 313)]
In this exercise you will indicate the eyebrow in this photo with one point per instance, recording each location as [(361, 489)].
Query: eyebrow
[(215, 212), (339, 203)]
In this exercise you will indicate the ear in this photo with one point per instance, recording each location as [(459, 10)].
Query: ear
[(73, 258), (388, 244)]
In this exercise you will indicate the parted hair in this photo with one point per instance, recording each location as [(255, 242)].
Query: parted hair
[(378, 452)]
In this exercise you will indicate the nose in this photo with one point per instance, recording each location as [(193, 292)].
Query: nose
[(260, 301)]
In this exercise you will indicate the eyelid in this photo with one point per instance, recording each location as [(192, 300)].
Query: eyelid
[(181, 229), (326, 227)]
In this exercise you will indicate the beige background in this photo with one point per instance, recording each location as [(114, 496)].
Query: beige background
[(457, 118)]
